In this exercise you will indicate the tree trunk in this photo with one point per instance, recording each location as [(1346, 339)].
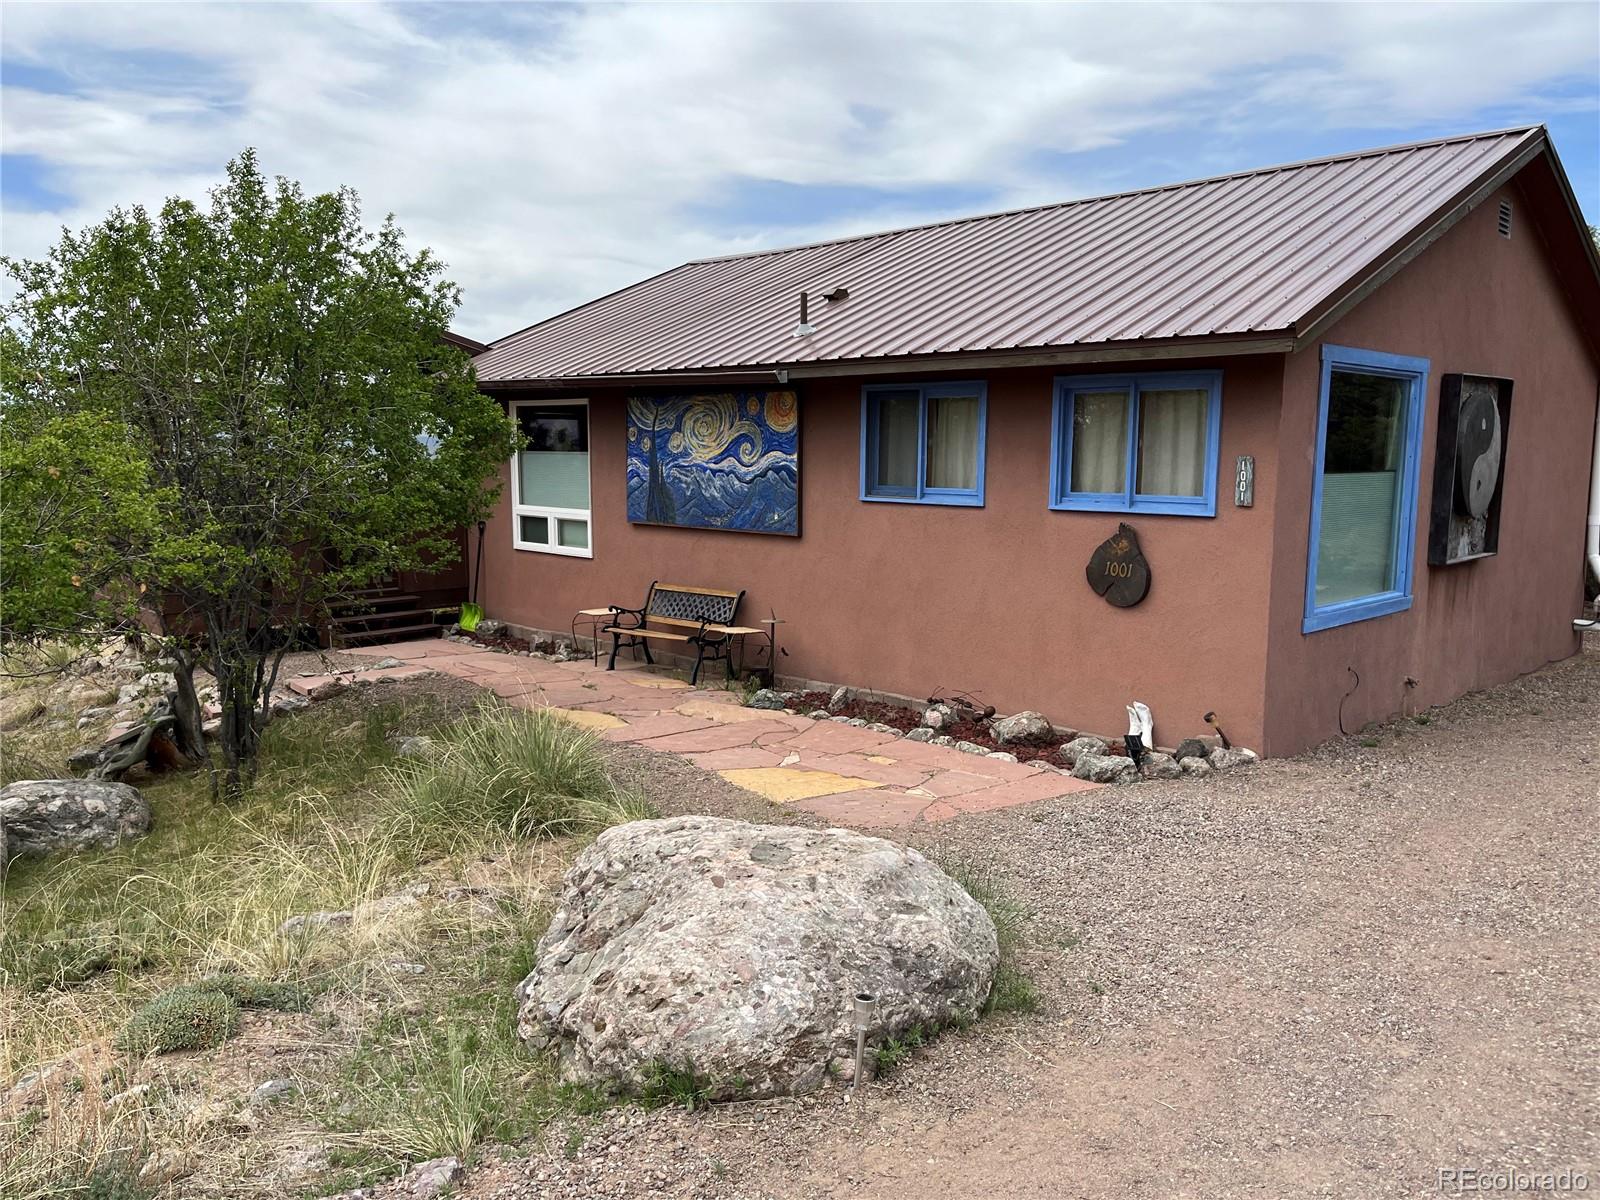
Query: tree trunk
[(188, 735)]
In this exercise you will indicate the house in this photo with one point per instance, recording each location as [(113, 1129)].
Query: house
[(921, 449)]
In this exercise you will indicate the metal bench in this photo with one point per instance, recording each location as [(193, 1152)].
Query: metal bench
[(676, 612)]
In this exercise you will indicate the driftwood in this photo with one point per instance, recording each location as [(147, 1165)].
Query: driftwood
[(152, 742)]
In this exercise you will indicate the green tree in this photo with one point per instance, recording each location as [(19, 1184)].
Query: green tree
[(241, 413)]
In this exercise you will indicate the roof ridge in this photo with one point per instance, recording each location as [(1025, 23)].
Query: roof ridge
[(1348, 156)]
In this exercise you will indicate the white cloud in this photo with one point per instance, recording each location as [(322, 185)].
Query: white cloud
[(550, 154)]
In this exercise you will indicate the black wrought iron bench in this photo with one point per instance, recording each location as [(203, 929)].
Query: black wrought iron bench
[(676, 612)]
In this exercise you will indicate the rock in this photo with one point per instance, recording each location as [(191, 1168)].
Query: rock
[(490, 629), (1085, 744), (129, 1096), (936, 717), (1198, 767), (766, 698), (1191, 748), (45, 815), (302, 1162), (386, 664), (736, 949), (302, 922), (942, 739), (1020, 727), (1238, 756), (880, 727), (288, 702), (413, 746), (407, 968), (166, 1164), (84, 757), (856, 722), (1101, 768), (818, 714), (840, 697), (323, 689), (920, 734), (1161, 766), (271, 1091), (1002, 755), (432, 1177), (971, 748)]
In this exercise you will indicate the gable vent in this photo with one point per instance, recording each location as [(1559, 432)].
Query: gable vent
[(1505, 218)]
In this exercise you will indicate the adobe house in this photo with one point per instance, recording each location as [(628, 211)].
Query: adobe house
[(1346, 407)]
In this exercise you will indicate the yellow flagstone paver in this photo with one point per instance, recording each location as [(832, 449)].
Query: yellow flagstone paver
[(589, 720), (783, 784), (722, 714), (655, 681), (881, 759)]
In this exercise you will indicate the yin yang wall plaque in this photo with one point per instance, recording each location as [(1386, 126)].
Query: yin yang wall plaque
[(1117, 569), (1469, 468)]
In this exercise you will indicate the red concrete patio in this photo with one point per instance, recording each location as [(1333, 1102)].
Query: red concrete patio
[(845, 774)]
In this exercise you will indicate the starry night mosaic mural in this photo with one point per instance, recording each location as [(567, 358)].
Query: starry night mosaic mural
[(723, 460)]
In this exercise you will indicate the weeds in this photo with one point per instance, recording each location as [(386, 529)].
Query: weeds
[(666, 1084), (1012, 990)]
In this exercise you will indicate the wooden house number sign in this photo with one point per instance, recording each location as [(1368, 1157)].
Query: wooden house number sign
[(1117, 569)]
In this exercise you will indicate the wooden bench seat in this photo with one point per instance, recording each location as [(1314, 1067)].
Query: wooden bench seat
[(695, 616)]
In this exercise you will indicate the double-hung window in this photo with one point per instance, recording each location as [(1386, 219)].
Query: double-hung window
[(923, 443), (1364, 495), (1137, 443), (550, 478)]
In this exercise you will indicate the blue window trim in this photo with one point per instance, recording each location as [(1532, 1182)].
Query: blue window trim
[(1063, 499), (1397, 598), (921, 494)]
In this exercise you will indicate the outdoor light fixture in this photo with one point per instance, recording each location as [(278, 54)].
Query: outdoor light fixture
[(866, 1012)]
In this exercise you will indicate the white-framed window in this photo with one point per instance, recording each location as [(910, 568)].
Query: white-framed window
[(550, 478)]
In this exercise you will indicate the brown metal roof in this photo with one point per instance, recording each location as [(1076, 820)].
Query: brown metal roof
[(1262, 252)]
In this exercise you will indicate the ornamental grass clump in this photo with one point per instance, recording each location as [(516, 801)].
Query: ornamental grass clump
[(185, 1018), (526, 774)]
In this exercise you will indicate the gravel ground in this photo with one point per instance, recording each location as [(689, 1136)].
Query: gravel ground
[(1332, 975)]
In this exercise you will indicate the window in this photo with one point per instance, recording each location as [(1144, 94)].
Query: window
[(923, 443), (1364, 496), (1137, 443), (550, 478)]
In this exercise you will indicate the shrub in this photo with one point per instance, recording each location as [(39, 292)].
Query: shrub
[(184, 1018), (526, 774), (261, 993)]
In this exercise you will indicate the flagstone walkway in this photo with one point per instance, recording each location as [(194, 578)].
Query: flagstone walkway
[(844, 774)]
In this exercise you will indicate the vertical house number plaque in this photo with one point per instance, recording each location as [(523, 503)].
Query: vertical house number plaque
[(1244, 482), (1117, 569)]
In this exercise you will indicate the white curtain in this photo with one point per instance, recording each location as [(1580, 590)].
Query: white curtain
[(1099, 441), (897, 439), (1172, 442), (953, 442)]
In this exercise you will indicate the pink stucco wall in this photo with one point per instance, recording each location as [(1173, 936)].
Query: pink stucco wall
[(1473, 302), (910, 599)]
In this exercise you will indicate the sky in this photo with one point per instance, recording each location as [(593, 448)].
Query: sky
[(551, 153)]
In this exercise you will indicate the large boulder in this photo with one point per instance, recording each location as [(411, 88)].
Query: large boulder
[(43, 816), (736, 951)]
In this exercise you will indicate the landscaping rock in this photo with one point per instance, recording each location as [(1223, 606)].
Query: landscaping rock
[(766, 698), (271, 1091), (413, 746), (1191, 748), (942, 739), (1002, 755), (971, 748), (1086, 744), (1022, 727), (288, 702), (840, 697), (1161, 766), (490, 629), (735, 950), (46, 815), (938, 716), (432, 1177), (920, 734), (386, 664), (1102, 768), (84, 757), (1238, 756), (1197, 767)]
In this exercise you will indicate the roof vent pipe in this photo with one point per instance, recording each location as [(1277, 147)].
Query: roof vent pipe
[(805, 325)]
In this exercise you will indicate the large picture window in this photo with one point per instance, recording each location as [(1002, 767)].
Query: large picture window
[(923, 443), (1364, 496), (1137, 443), (550, 478)]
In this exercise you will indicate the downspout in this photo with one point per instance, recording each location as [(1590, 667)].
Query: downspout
[(1591, 549)]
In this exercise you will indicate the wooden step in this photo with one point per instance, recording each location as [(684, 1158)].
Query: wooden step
[(400, 633), (386, 615)]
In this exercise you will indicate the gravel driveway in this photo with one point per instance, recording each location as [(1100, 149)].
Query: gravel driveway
[(1333, 975)]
